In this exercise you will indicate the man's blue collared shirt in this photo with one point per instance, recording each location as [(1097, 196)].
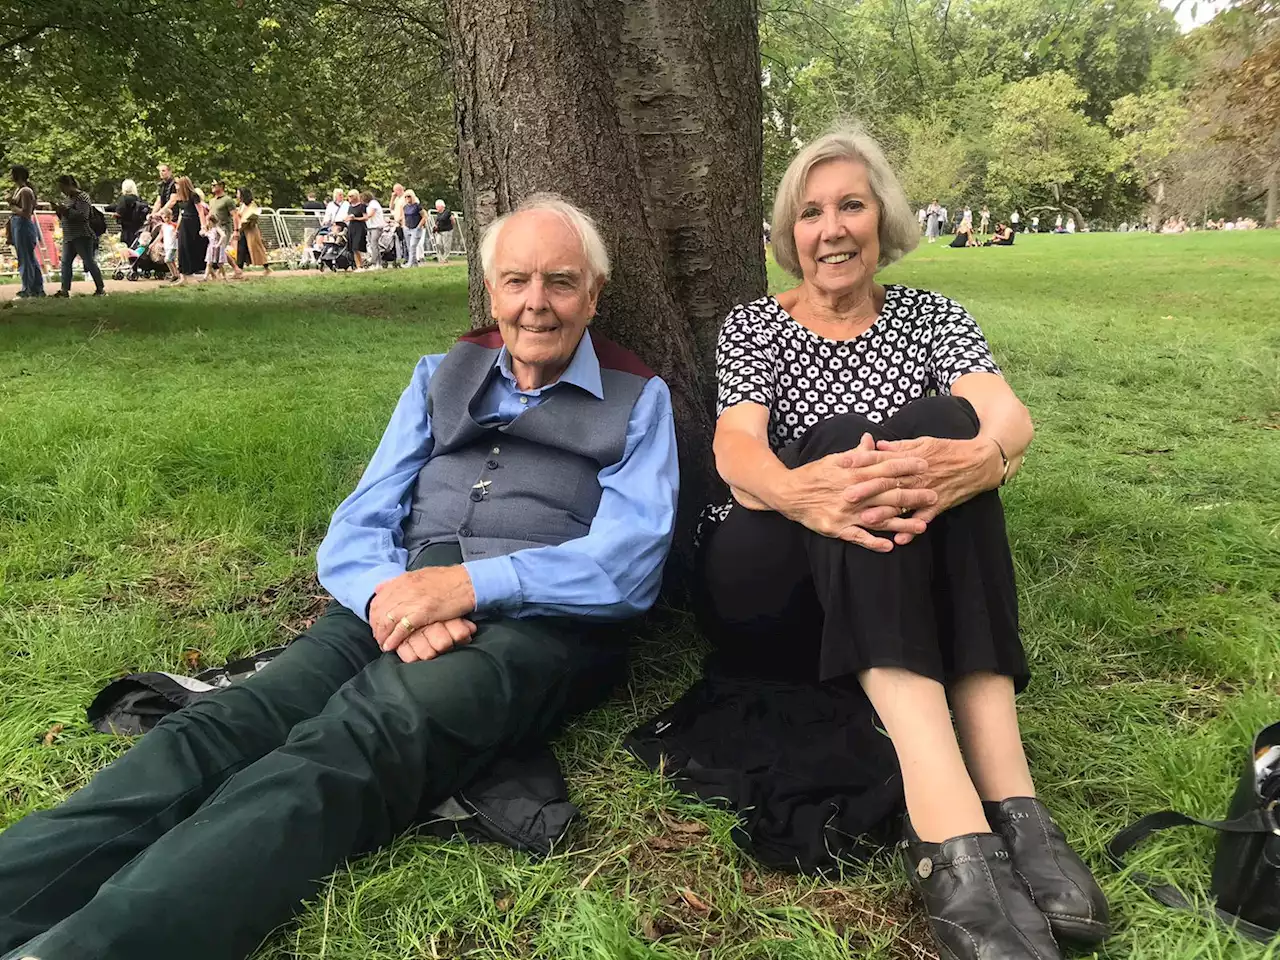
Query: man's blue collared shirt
[(611, 573)]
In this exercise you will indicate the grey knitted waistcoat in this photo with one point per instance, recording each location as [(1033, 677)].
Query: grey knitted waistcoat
[(529, 483)]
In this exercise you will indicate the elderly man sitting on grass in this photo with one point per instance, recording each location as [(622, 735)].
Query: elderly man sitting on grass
[(523, 492)]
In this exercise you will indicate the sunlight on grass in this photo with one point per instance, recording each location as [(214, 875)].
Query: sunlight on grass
[(170, 461)]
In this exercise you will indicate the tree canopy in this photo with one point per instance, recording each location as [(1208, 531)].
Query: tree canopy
[(1097, 107)]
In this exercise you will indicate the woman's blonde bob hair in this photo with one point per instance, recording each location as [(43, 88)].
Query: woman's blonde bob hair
[(898, 228)]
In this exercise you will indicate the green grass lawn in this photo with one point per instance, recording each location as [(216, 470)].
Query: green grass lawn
[(169, 461)]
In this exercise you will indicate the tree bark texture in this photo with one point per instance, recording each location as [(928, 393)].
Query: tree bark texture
[(646, 113)]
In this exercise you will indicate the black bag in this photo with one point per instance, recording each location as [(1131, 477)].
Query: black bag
[(1246, 869), (97, 222)]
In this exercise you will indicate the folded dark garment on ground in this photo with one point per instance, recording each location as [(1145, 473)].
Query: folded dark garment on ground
[(803, 764), (520, 800)]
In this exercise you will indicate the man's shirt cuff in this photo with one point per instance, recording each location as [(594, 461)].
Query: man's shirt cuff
[(360, 586), (496, 585)]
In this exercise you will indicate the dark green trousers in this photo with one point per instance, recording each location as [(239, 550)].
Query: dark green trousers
[(214, 827)]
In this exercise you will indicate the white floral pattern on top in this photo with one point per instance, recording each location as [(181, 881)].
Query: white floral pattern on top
[(920, 344)]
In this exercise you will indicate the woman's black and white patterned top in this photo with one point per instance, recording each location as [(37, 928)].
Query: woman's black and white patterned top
[(920, 344)]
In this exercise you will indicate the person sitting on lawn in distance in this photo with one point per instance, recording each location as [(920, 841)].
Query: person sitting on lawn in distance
[(863, 430), (523, 494)]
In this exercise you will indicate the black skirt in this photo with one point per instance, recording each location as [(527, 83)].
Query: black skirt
[(779, 598)]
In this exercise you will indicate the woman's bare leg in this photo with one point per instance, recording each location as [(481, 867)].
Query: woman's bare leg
[(941, 799), (987, 721)]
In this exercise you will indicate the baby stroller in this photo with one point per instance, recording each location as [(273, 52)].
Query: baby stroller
[(387, 253), (336, 252), (146, 258)]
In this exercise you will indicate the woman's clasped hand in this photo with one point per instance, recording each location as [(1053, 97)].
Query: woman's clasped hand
[(834, 494)]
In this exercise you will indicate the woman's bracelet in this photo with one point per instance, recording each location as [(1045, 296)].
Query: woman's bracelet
[(1004, 461)]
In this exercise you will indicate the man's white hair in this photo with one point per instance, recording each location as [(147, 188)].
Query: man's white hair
[(593, 248), (129, 188), (439, 203)]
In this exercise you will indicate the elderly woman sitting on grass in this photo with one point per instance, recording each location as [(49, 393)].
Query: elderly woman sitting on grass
[(863, 430)]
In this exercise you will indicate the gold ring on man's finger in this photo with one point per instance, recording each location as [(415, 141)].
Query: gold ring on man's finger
[(406, 623), (904, 511)]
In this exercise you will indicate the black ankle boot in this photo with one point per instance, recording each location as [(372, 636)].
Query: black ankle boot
[(1060, 883), (978, 908)]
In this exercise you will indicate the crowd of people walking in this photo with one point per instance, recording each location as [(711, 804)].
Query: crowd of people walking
[(184, 234), (358, 232)]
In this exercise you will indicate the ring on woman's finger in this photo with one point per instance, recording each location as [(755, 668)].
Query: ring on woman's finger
[(406, 623), (904, 512)]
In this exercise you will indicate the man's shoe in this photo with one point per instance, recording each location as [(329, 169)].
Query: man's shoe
[(100, 293), (1060, 883), (62, 293), (978, 908)]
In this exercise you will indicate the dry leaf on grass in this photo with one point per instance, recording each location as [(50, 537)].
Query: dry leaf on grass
[(696, 903), (52, 733), (192, 659)]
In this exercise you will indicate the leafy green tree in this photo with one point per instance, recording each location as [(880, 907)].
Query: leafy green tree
[(932, 160), (1152, 128), (1047, 152)]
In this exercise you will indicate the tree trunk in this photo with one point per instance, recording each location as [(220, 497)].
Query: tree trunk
[(1273, 198), (647, 114)]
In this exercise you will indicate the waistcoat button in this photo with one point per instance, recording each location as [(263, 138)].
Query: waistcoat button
[(476, 496), (464, 531), (492, 464)]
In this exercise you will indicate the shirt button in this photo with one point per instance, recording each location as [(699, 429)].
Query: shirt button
[(464, 531), (492, 464), (524, 399), (495, 451)]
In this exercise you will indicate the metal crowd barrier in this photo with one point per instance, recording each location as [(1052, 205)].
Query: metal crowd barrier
[(291, 229), (286, 232)]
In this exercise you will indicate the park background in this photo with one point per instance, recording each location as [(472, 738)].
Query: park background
[(169, 461), (1109, 110)]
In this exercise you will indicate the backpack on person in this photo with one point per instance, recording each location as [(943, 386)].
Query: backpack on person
[(97, 222)]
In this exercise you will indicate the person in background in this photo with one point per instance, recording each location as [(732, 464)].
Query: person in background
[(1014, 220), (23, 232), (169, 238), (967, 218), (222, 210), (984, 219), (411, 214), (376, 222), (443, 234), (397, 221), (357, 227), (216, 252), (167, 187), (944, 220), (336, 209), (311, 203), (1035, 224), (185, 204), (933, 216), (131, 212), (964, 235), (250, 247), (1003, 237), (78, 238)]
